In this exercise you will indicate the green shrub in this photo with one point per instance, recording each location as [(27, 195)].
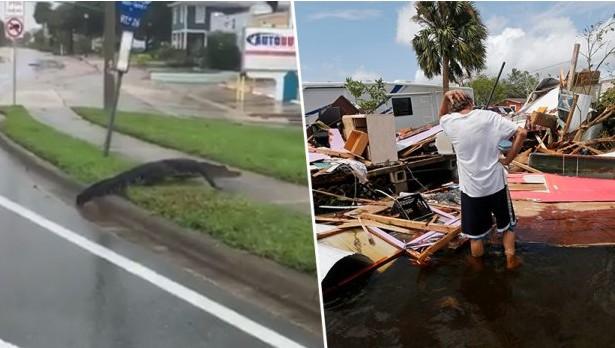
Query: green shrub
[(142, 59)]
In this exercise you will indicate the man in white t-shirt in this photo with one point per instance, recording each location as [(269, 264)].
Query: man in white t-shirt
[(475, 135)]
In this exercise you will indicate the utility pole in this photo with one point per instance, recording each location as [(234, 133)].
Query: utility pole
[(109, 53)]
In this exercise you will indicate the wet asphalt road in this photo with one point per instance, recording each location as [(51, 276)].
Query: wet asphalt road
[(57, 293)]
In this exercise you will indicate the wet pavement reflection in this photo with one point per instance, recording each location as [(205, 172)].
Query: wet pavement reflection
[(559, 297)]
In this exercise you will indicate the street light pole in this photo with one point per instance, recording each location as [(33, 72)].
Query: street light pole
[(109, 51)]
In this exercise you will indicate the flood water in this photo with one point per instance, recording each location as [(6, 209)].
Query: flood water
[(560, 297)]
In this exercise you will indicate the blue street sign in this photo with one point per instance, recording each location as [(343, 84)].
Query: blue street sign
[(131, 13)]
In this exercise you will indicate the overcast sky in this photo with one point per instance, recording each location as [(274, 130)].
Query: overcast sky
[(368, 40)]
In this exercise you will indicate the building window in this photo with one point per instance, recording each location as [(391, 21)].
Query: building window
[(402, 106), (174, 15), (182, 9), (199, 16)]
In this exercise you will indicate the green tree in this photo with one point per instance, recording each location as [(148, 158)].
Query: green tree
[(376, 94), (482, 86), (42, 12), (2, 36), (519, 84), (156, 24), (451, 40), (607, 99)]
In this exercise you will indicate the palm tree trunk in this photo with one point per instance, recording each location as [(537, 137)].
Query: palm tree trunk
[(444, 74)]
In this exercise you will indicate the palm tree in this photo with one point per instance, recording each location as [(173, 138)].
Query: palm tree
[(451, 40)]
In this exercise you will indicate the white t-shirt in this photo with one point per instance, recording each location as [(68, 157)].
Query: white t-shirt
[(475, 137)]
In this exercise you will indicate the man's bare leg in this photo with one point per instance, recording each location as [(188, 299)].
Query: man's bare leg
[(512, 261), (475, 260), (477, 248)]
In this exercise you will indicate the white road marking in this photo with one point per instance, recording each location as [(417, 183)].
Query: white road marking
[(208, 305), (4, 344)]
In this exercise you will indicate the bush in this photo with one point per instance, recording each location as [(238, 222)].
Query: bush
[(173, 57), (142, 59), (222, 51), (607, 99)]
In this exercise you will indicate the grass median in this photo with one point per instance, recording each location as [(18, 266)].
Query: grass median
[(262, 229), (274, 151)]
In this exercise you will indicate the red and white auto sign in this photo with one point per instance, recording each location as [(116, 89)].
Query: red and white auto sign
[(269, 49)]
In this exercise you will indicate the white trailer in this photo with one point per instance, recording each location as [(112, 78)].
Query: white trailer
[(415, 104)]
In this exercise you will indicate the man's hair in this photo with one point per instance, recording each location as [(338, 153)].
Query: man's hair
[(461, 104)]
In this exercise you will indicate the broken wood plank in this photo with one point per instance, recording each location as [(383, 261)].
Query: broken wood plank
[(329, 152), (331, 219), (371, 223), (526, 167), (419, 225), (446, 206), (439, 244), (526, 187), (570, 113)]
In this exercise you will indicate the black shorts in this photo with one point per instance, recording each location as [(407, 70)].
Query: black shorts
[(477, 218)]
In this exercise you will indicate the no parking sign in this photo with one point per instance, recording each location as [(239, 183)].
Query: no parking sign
[(14, 28)]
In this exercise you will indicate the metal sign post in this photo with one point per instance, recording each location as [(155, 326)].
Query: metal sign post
[(130, 18), (14, 73), (14, 14)]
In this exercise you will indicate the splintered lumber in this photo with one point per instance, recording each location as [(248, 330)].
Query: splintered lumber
[(418, 225), (570, 113), (526, 167), (364, 222), (526, 187), (329, 152), (439, 244), (573, 66), (331, 219), (600, 118)]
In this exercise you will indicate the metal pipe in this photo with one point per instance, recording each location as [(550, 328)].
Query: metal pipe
[(113, 112), (494, 86)]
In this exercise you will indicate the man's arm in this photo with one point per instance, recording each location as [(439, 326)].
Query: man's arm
[(448, 98), (520, 136)]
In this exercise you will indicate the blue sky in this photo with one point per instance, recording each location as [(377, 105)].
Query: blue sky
[(367, 39)]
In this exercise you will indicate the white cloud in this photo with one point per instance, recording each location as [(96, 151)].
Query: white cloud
[(362, 74), (406, 27), (420, 77), (545, 47), (349, 15), (496, 23)]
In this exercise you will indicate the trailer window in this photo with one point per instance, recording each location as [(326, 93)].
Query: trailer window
[(402, 106)]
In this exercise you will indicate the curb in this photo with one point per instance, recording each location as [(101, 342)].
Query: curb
[(290, 288)]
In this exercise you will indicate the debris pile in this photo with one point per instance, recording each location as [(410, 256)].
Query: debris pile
[(381, 191)]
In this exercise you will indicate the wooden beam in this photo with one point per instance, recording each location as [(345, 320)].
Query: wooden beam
[(526, 167), (570, 113), (439, 244), (365, 222), (573, 66), (331, 219), (419, 225)]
